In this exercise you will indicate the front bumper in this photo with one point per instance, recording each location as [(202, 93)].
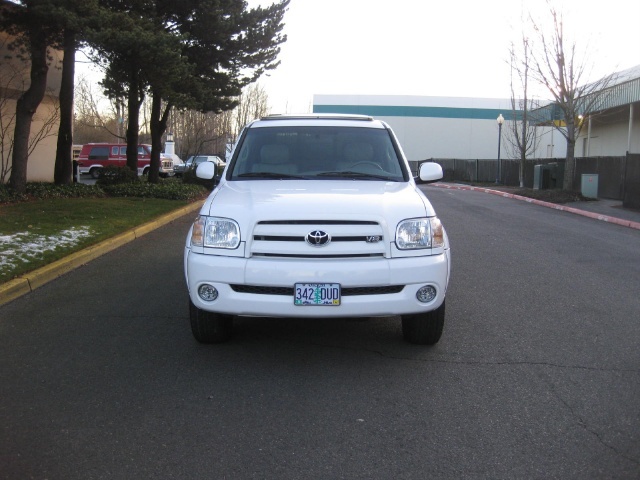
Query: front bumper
[(225, 272)]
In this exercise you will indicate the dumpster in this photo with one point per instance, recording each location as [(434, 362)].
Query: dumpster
[(541, 176), (548, 175)]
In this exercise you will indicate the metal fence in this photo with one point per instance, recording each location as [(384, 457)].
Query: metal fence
[(618, 177)]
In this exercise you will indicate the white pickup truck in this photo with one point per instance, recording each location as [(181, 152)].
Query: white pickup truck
[(317, 216)]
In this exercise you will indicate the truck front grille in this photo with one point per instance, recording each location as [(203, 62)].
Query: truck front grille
[(345, 292), (346, 239)]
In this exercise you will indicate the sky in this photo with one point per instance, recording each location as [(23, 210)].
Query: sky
[(451, 48)]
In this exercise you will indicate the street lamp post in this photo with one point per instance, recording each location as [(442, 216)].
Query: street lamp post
[(500, 121)]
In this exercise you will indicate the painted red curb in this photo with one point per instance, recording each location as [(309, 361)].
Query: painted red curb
[(555, 206)]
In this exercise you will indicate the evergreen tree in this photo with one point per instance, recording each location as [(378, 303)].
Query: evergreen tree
[(29, 23), (190, 54), (37, 26), (74, 19)]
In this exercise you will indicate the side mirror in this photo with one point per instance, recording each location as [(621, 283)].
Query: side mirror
[(430, 172), (206, 170)]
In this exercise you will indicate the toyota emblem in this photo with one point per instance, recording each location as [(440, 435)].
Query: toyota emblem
[(318, 238)]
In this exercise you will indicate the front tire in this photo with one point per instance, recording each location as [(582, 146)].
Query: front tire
[(209, 327), (424, 328)]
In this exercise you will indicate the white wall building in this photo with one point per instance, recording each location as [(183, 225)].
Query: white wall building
[(14, 80), (614, 129), (442, 127)]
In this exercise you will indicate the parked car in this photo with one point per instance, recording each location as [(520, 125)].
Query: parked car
[(75, 151), (94, 157), (317, 216), (175, 160), (193, 161)]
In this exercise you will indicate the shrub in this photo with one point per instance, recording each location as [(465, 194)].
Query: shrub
[(8, 195), (113, 175), (43, 190), (189, 177), (75, 190), (168, 190)]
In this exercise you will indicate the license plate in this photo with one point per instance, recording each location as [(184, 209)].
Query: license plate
[(316, 294)]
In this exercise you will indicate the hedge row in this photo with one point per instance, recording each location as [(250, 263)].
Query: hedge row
[(167, 189)]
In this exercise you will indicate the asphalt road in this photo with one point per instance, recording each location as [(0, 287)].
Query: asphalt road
[(537, 374)]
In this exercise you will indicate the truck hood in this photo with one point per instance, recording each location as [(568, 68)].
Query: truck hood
[(260, 200)]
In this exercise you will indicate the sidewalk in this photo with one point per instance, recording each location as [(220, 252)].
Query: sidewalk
[(605, 210), (612, 208)]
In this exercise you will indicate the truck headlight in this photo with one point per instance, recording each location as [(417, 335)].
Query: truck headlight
[(215, 232), (417, 233)]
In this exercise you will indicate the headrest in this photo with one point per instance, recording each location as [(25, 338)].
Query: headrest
[(274, 154), (358, 152)]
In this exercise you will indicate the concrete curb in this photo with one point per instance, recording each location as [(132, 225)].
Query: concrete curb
[(30, 281), (555, 206)]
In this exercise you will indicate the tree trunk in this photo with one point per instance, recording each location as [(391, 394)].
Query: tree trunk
[(159, 119), (569, 166), (133, 107), (525, 137), (63, 170), (156, 138), (570, 160), (26, 107)]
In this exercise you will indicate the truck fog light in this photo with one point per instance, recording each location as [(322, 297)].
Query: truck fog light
[(208, 293), (426, 294)]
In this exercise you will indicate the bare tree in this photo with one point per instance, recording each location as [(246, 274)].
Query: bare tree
[(563, 71), (99, 120), (198, 133), (522, 136), (9, 76), (48, 117), (253, 104), (96, 119)]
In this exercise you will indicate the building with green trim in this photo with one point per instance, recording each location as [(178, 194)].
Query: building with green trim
[(442, 127), (466, 128), (613, 129)]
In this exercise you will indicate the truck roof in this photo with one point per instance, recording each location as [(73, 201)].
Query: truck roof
[(318, 116)]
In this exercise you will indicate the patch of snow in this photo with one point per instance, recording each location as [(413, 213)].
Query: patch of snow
[(23, 247)]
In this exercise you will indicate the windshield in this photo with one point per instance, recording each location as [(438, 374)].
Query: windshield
[(317, 153)]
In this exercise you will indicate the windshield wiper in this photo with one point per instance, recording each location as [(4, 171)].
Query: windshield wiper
[(351, 174), (267, 175)]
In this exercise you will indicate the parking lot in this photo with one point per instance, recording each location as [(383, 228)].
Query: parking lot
[(536, 375)]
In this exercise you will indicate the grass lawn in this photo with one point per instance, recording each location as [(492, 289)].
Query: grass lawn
[(38, 232)]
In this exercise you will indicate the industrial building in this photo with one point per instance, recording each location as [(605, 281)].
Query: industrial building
[(443, 127), (467, 128), (614, 129)]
